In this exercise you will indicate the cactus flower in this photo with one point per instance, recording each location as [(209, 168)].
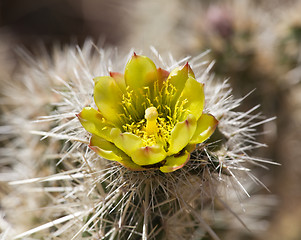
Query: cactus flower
[(148, 118)]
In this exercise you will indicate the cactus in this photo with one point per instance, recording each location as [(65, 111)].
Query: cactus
[(87, 196)]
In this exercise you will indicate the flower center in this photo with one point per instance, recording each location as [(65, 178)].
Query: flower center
[(152, 117), (152, 129)]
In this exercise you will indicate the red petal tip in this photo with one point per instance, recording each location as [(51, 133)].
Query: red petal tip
[(163, 73), (187, 66), (93, 148), (115, 74)]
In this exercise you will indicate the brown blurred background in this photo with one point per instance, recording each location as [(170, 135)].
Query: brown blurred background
[(257, 44), (49, 21)]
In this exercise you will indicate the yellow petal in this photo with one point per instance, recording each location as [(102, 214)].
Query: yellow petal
[(119, 79), (193, 93), (109, 151), (190, 147), (175, 162), (148, 155), (108, 96), (178, 78), (95, 123), (206, 125), (106, 149), (140, 72), (181, 134), (127, 142)]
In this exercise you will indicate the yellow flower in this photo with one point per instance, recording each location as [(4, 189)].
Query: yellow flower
[(148, 118)]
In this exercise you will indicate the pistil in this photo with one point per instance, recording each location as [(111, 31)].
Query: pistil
[(151, 115)]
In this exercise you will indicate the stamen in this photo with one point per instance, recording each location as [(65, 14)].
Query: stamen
[(158, 122)]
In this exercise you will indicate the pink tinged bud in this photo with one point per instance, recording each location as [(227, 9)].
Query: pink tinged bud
[(220, 21)]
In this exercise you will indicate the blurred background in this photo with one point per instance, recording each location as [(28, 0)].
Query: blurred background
[(256, 44)]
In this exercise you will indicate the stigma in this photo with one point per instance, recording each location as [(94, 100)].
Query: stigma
[(151, 115)]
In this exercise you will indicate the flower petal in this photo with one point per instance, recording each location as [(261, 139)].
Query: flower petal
[(181, 134), (119, 79), (206, 125), (162, 76), (127, 142), (193, 94), (175, 162), (108, 96), (140, 72), (94, 122), (106, 149), (109, 151), (148, 155), (178, 78)]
